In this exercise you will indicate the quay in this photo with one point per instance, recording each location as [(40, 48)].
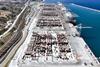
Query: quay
[(53, 41)]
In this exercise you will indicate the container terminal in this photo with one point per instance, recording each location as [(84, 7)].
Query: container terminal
[(53, 40), (43, 34)]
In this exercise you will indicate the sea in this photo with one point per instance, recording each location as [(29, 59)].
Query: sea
[(88, 14)]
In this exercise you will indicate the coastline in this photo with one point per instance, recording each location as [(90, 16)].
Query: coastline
[(85, 7)]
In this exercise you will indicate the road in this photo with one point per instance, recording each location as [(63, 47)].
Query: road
[(23, 47), (17, 59), (14, 46), (14, 23)]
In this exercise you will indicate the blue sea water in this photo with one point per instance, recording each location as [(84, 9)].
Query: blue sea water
[(88, 18)]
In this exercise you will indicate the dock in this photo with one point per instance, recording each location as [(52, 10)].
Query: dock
[(53, 41)]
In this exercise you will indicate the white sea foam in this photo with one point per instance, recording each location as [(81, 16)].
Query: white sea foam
[(85, 7)]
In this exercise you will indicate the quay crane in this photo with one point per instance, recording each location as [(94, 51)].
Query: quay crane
[(80, 27)]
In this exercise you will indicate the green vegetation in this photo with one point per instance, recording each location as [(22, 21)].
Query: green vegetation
[(2, 31), (1, 43), (3, 8), (13, 29)]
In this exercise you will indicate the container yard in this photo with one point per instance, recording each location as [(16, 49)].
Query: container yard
[(53, 40)]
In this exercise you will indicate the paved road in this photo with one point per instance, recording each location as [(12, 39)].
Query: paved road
[(3, 35), (10, 52), (21, 50)]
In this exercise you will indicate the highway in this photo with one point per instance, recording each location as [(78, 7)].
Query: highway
[(16, 40), (14, 23)]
